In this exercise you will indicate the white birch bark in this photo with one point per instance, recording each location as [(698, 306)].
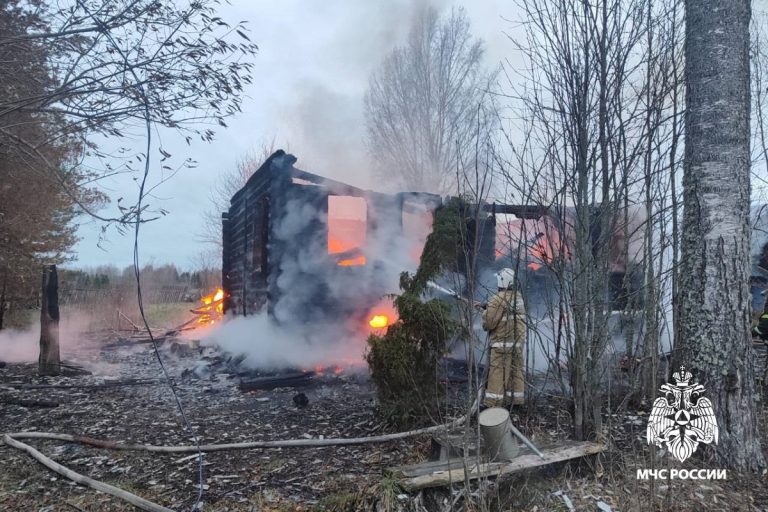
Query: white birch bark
[(714, 281)]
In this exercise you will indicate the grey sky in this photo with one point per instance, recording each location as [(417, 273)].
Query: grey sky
[(311, 73)]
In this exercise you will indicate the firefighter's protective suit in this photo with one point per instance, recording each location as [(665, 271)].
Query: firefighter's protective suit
[(504, 320), (760, 330)]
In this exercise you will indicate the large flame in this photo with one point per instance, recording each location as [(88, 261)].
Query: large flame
[(348, 254)]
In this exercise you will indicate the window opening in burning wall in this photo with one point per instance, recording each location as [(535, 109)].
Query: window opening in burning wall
[(417, 225), (347, 229), (533, 241)]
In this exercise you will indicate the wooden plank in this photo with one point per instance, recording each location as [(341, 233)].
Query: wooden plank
[(425, 468), (551, 456), (432, 466)]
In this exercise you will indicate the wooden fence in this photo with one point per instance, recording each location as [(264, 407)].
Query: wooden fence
[(117, 295)]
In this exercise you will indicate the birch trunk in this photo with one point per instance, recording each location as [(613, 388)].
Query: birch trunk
[(714, 280)]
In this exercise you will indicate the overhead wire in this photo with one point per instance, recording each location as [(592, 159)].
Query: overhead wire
[(140, 299)]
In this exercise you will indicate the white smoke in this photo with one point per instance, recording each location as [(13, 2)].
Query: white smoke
[(23, 346), (267, 345), (19, 346), (321, 312)]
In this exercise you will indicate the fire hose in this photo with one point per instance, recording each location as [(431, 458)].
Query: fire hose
[(12, 440), (285, 443), (456, 295)]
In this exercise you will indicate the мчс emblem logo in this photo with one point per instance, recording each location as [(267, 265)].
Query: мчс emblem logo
[(682, 418)]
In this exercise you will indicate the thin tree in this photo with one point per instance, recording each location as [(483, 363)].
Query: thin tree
[(596, 136), (112, 66), (715, 257)]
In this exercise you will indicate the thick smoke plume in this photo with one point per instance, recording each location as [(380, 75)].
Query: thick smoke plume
[(306, 329), (268, 345), (319, 114)]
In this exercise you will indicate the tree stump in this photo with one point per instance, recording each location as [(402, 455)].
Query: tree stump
[(49, 362)]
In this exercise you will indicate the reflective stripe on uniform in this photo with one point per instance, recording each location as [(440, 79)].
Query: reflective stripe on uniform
[(516, 394), (503, 344)]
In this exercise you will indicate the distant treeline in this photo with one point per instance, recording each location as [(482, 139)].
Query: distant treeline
[(110, 289), (110, 276)]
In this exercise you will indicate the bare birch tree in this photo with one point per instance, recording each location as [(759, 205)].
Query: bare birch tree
[(582, 142), (421, 106), (596, 146)]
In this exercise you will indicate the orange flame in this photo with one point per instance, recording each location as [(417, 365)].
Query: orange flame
[(337, 247), (379, 321), (352, 262), (212, 307), (347, 229), (322, 371)]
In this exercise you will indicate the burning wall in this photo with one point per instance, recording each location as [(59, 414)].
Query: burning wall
[(312, 251), (309, 261), (537, 240)]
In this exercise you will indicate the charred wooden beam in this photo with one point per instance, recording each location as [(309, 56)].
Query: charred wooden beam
[(287, 380), (103, 385), (23, 402), (523, 211)]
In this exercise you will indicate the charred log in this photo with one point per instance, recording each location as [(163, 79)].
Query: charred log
[(49, 362), (288, 380)]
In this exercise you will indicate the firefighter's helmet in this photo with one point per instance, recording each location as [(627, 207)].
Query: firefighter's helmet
[(505, 278)]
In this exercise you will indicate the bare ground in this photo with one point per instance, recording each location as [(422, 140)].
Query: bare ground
[(341, 478)]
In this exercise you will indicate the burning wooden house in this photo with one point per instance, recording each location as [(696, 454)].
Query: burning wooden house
[(303, 247)]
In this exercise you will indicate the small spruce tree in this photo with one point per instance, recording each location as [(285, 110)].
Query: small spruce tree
[(404, 360)]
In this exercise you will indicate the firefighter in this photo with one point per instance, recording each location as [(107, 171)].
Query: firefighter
[(760, 330), (504, 320)]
